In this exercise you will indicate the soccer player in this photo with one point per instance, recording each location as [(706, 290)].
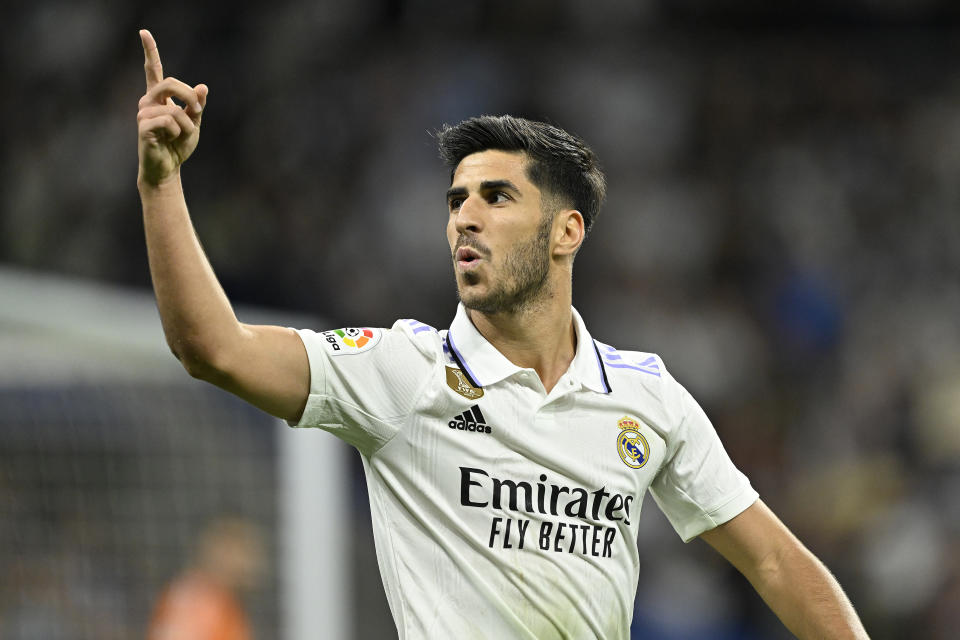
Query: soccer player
[(507, 456)]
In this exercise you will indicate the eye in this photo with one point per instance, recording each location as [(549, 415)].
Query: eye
[(499, 197), (455, 203)]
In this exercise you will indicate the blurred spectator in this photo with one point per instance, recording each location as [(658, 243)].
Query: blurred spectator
[(205, 601)]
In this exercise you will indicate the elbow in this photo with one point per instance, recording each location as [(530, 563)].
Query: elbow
[(769, 570), (211, 356), (199, 369), (776, 568), (201, 362)]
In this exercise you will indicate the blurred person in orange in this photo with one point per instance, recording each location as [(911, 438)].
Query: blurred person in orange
[(204, 601)]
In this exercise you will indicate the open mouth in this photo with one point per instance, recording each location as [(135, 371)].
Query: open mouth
[(467, 257)]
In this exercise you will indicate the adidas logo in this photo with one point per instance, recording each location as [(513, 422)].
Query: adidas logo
[(470, 420)]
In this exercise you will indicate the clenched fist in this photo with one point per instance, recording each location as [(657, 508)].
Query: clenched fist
[(167, 132)]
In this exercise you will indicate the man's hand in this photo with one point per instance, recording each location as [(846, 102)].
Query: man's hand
[(167, 132)]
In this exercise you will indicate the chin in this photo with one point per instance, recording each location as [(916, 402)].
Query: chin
[(471, 299)]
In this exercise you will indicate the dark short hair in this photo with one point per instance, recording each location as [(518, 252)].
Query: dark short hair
[(561, 164)]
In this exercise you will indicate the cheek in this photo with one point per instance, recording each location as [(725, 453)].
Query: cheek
[(451, 233)]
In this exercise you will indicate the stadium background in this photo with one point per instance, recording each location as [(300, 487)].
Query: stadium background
[(782, 227)]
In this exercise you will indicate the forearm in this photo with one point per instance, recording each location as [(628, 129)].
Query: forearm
[(265, 365), (806, 597), (196, 315)]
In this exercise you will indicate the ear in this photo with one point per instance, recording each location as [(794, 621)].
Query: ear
[(568, 232)]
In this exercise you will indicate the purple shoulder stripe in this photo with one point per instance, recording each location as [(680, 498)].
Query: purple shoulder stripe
[(615, 360), (419, 327)]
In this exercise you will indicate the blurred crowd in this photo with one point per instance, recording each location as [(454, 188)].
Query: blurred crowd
[(782, 226)]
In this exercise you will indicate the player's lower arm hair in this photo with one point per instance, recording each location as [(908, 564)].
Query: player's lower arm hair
[(805, 595)]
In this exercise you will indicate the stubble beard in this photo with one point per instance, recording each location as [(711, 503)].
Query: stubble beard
[(524, 278)]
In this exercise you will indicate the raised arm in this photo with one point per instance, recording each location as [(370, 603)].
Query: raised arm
[(790, 579), (264, 365)]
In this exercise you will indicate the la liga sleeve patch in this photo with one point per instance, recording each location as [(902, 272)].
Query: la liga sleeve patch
[(351, 340)]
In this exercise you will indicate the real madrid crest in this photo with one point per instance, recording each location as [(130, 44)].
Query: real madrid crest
[(457, 381), (633, 448)]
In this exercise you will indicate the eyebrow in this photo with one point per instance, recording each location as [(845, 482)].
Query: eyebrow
[(486, 185), (455, 191)]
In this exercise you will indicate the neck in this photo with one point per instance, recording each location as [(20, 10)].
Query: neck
[(541, 336)]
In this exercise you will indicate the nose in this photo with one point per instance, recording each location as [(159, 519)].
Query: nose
[(469, 217)]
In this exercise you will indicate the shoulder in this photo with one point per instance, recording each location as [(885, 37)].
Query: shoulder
[(630, 362), (191, 596), (641, 372), (423, 337), (406, 337), (632, 368)]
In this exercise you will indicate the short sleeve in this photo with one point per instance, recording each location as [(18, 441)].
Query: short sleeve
[(363, 383), (699, 487)]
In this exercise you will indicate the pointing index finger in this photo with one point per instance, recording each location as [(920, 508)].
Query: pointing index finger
[(151, 59)]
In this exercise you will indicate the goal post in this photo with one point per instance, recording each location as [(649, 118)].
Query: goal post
[(112, 457)]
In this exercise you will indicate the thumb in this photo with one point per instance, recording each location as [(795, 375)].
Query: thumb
[(202, 91)]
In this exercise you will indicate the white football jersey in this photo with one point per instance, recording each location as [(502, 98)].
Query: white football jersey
[(500, 510)]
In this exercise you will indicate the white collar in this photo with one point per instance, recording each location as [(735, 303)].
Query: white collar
[(485, 365)]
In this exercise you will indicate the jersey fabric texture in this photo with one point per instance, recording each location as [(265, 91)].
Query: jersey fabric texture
[(503, 511)]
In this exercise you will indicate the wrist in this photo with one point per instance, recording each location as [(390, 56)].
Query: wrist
[(157, 187)]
